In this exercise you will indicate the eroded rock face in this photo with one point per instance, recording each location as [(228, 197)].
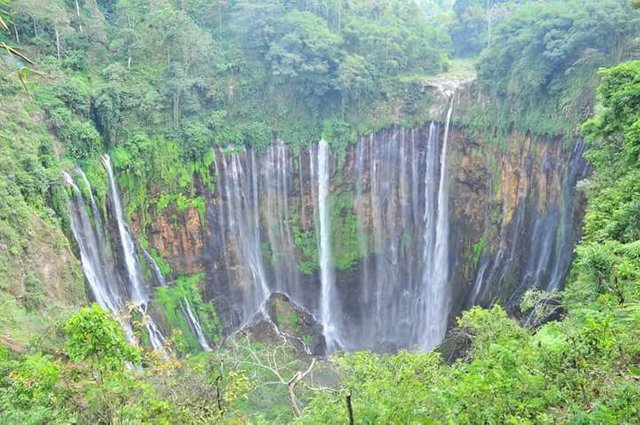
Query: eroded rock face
[(520, 205), (178, 237), (287, 323)]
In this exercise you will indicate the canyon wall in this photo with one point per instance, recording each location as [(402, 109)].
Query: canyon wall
[(407, 234)]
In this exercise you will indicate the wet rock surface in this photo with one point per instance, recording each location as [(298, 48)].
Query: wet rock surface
[(289, 323)]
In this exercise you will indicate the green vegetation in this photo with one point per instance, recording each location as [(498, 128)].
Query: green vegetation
[(307, 244), (478, 249), (98, 380), (580, 369), (171, 301), (32, 204), (157, 86), (96, 337), (345, 237), (346, 240), (228, 73), (543, 61)]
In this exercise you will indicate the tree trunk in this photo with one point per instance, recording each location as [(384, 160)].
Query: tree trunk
[(78, 13), (293, 400), (176, 109), (57, 41), (350, 409), (15, 29), (489, 21)]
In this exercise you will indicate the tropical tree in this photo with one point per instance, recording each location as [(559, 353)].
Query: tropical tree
[(96, 337)]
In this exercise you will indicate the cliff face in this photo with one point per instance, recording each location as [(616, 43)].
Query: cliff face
[(178, 237), (39, 284), (517, 216), (513, 219)]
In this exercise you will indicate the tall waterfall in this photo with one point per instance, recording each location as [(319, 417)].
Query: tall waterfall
[(139, 293), (402, 202), (546, 252), (326, 263), (115, 291), (361, 239), (96, 264), (438, 294), (239, 228)]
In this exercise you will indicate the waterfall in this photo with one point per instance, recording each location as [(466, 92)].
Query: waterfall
[(326, 263), (194, 324), (156, 338), (108, 287), (432, 180), (138, 291), (577, 170), (276, 172), (96, 263), (397, 294), (365, 248), (94, 205), (239, 226), (154, 267), (139, 294), (546, 251), (392, 194), (439, 303)]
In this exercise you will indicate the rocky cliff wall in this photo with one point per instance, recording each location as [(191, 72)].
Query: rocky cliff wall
[(514, 217)]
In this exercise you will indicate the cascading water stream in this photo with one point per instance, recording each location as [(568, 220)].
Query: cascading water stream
[(156, 338), (139, 294), (384, 214), (397, 296), (553, 235), (327, 278), (154, 267), (430, 214), (97, 263), (95, 260), (240, 219), (195, 325), (438, 293), (138, 291), (112, 291), (276, 171)]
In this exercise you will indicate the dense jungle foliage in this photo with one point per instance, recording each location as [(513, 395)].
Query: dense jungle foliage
[(158, 83)]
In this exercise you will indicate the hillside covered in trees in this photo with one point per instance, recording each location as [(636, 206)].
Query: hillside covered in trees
[(169, 89)]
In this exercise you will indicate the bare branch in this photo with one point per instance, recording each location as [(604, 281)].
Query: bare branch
[(299, 376), (3, 25)]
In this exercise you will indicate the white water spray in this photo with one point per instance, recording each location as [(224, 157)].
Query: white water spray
[(138, 291), (327, 277), (195, 324)]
